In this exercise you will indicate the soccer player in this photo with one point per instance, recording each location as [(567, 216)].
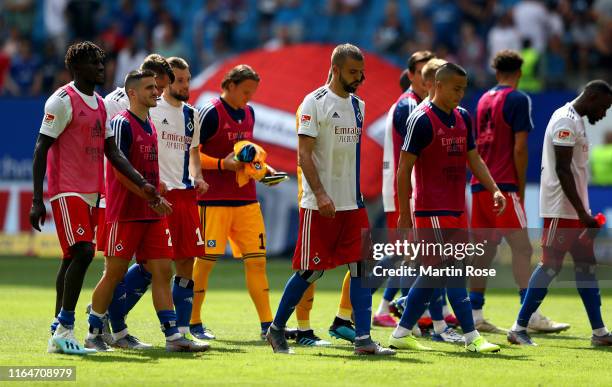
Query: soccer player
[(438, 145), (180, 171), (503, 122), (133, 228), (137, 279), (438, 316), (394, 137), (71, 145), (564, 205), (228, 211), (332, 213)]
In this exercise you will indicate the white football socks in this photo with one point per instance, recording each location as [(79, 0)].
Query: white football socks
[(600, 331), (439, 326), (445, 310), (517, 328), (400, 331), (383, 307), (120, 335), (471, 336)]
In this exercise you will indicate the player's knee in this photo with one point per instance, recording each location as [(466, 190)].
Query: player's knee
[(161, 269), (113, 276), (258, 264), (184, 268), (522, 251), (586, 268), (310, 275), (83, 252), (551, 268)]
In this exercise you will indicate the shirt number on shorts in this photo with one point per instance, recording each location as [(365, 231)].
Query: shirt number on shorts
[(200, 242), (262, 246), (169, 238)]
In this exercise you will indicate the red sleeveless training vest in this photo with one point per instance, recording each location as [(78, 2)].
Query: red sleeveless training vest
[(121, 204), (223, 186), (440, 169), (75, 162), (495, 138)]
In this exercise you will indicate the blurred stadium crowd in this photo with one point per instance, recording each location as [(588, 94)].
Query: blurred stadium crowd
[(564, 42)]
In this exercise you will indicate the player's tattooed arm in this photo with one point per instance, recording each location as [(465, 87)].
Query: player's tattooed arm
[(324, 202), (480, 170), (404, 188), (563, 168), (38, 212)]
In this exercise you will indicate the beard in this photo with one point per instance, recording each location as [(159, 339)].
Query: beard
[(178, 96), (349, 87)]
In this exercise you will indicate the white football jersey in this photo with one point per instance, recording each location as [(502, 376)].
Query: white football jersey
[(389, 172), (178, 130), (565, 128), (337, 125), (115, 101), (389, 167)]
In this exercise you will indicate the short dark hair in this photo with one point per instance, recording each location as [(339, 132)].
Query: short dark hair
[(135, 76), (598, 87), (419, 57), (178, 63), (507, 61), (344, 51), (159, 65), (448, 69), (239, 74), (404, 81), (81, 52)]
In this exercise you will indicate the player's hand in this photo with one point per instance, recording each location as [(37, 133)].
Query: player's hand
[(150, 192), (499, 202), (326, 205), (230, 164), (201, 186), (589, 221), (404, 222), (38, 213), (161, 206), (163, 188), (270, 172)]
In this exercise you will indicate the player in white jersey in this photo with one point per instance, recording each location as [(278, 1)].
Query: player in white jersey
[(116, 101), (178, 131), (332, 213), (564, 205)]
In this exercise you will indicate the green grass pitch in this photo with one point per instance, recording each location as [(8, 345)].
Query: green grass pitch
[(238, 357)]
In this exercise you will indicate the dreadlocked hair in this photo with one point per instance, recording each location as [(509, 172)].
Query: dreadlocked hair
[(81, 52)]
